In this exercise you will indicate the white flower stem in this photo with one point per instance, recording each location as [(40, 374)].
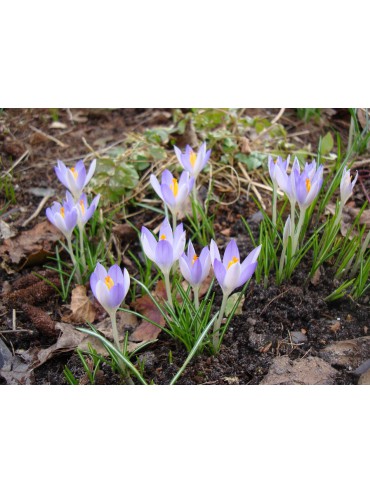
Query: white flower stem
[(194, 192), (298, 232), (168, 288), (292, 218), (174, 221), (216, 328), (113, 319), (274, 200), (82, 249), (282, 261), (73, 258), (196, 297)]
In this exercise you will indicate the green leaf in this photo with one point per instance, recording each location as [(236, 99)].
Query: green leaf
[(327, 144), (252, 161)]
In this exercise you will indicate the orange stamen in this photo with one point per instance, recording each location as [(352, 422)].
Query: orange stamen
[(232, 262), (82, 205), (174, 187), (192, 158), (109, 282), (74, 173), (195, 258), (162, 237), (62, 211), (308, 184)]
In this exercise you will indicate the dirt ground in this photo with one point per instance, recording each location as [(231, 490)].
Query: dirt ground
[(286, 334)]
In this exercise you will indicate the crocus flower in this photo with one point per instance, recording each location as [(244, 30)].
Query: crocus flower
[(191, 161), (346, 186), (75, 178), (286, 182), (110, 288), (279, 163), (229, 272), (307, 184), (173, 192), (63, 216), (167, 249), (195, 269), (84, 210)]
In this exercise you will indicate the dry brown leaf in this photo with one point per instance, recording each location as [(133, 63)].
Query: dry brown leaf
[(82, 308), (145, 306), (31, 246)]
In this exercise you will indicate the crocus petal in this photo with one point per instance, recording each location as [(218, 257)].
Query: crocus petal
[(81, 176), (214, 252), (103, 295), (232, 277), (61, 172), (185, 269), (116, 295), (166, 231), (196, 273), (148, 242), (179, 246), (116, 274), (220, 271), (168, 195), (252, 257), (191, 251), (231, 252), (155, 184), (70, 219), (164, 256), (126, 282), (246, 274), (90, 172)]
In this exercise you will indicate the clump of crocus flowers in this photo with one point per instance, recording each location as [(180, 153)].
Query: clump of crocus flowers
[(74, 210)]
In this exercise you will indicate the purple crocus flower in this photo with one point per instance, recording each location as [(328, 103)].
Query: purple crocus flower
[(307, 184), (110, 288), (167, 249), (84, 210), (285, 181), (173, 192), (346, 186), (63, 216), (229, 272), (191, 161), (75, 178), (195, 269), (279, 163)]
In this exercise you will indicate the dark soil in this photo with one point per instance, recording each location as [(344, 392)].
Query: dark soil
[(270, 315)]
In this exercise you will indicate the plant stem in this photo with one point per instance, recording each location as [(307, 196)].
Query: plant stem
[(292, 218), (274, 199), (82, 250), (174, 222), (298, 232), (113, 319), (194, 192), (216, 328), (73, 258), (196, 297), (168, 288)]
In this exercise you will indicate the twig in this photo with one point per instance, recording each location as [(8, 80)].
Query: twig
[(254, 188), (37, 211), (24, 155), (278, 116), (49, 137)]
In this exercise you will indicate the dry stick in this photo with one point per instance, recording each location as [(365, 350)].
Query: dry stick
[(254, 188), (274, 299), (38, 210), (24, 155), (47, 136)]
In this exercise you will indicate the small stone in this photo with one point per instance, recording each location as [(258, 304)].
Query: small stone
[(362, 368), (364, 378), (334, 326), (251, 321), (5, 355), (298, 337), (349, 353), (306, 371)]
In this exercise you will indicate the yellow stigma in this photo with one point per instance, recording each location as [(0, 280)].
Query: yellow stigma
[(109, 282), (62, 211), (232, 262), (308, 184), (82, 205), (174, 187), (162, 237), (195, 258), (74, 173), (192, 158)]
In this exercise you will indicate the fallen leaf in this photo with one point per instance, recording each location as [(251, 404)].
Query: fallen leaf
[(231, 303), (32, 245), (146, 331), (81, 307), (58, 125), (6, 231), (334, 327)]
